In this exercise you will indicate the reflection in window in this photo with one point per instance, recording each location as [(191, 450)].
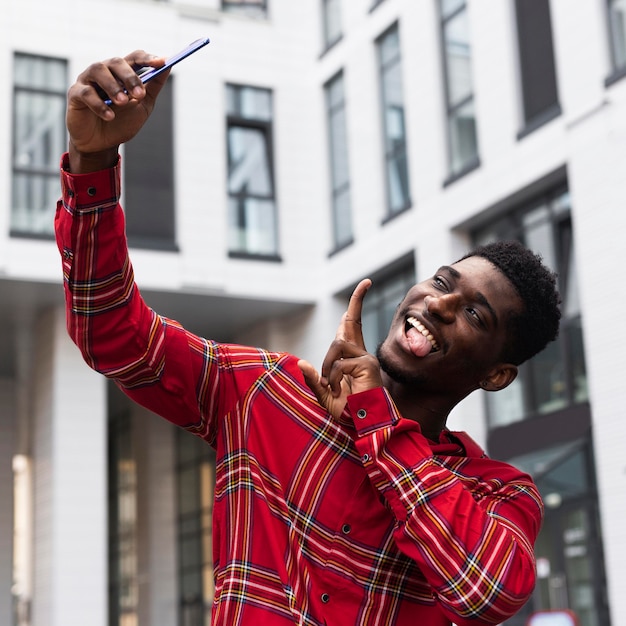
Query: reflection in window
[(537, 65), (393, 122), (382, 300), (331, 15), (123, 551), (252, 210), (254, 8), (340, 175), (555, 378), (39, 139), (617, 23), (568, 550), (463, 145), (195, 471)]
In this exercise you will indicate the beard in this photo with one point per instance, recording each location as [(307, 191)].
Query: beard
[(394, 372)]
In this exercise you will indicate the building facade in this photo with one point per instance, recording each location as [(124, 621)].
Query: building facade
[(310, 145)]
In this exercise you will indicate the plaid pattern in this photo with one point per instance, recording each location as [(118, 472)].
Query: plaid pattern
[(316, 522)]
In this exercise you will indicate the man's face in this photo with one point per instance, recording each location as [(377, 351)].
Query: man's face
[(449, 331)]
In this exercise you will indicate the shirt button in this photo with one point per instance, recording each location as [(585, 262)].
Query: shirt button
[(346, 528), (325, 598), (361, 414), (91, 191)]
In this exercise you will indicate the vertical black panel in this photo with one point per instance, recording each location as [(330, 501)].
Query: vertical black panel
[(536, 55), (149, 178)]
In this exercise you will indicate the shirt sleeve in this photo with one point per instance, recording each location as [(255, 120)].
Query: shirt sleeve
[(470, 524), (116, 332)]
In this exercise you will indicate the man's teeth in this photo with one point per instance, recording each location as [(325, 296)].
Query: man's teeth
[(424, 331)]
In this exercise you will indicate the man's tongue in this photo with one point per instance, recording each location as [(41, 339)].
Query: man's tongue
[(418, 344)]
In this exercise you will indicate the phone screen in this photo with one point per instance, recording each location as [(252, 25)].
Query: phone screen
[(146, 74)]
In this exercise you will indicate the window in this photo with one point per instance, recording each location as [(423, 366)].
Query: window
[(537, 66), (397, 178), (331, 16), (255, 8), (457, 59), (195, 472), (149, 178), (39, 139), (252, 209), (123, 551), (383, 297), (617, 29), (340, 176), (556, 378)]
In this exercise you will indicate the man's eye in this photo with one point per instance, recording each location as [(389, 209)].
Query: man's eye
[(440, 283), (474, 314)]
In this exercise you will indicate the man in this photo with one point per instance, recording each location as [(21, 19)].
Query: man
[(341, 498)]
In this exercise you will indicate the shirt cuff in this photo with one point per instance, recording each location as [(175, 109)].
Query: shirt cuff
[(85, 193), (372, 410)]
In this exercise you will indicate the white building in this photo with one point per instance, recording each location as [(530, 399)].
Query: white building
[(309, 145)]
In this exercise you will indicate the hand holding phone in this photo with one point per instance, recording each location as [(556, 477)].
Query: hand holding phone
[(146, 74)]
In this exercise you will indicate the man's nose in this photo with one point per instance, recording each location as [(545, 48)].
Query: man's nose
[(443, 307)]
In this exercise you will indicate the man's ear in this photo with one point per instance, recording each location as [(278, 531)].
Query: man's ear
[(500, 377)]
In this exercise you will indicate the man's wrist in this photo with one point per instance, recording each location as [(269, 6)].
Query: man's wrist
[(87, 162)]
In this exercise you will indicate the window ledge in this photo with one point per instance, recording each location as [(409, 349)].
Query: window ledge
[(341, 247), (616, 75), (474, 164), (539, 120), (250, 256), (392, 216)]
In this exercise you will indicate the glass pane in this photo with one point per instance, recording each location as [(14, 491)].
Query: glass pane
[(255, 104), (248, 163), (398, 181), (617, 16), (34, 199), (335, 92), (389, 47), (38, 130), (40, 73), (252, 226), (458, 58), (339, 149), (548, 376), (539, 236), (506, 406), (332, 21), (188, 490), (580, 391), (463, 142), (394, 106), (450, 6), (342, 218)]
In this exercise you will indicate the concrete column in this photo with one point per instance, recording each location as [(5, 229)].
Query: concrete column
[(155, 453), (598, 189), (70, 499)]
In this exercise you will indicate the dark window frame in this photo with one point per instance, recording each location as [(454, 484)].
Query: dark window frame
[(618, 71), (50, 173), (149, 179), (451, 109), (266, 128), (399, 153), (535, 115), (337, 190)]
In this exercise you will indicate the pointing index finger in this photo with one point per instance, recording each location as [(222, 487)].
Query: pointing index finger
[(350, 328)]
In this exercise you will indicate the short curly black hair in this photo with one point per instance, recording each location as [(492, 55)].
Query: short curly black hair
[(532, 330)]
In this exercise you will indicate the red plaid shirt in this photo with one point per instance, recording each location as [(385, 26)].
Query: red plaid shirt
[(360, 521)]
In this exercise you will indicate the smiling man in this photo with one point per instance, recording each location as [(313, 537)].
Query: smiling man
[(341, 498)]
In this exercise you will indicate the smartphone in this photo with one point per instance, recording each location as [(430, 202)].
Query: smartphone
[(146, 74)]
